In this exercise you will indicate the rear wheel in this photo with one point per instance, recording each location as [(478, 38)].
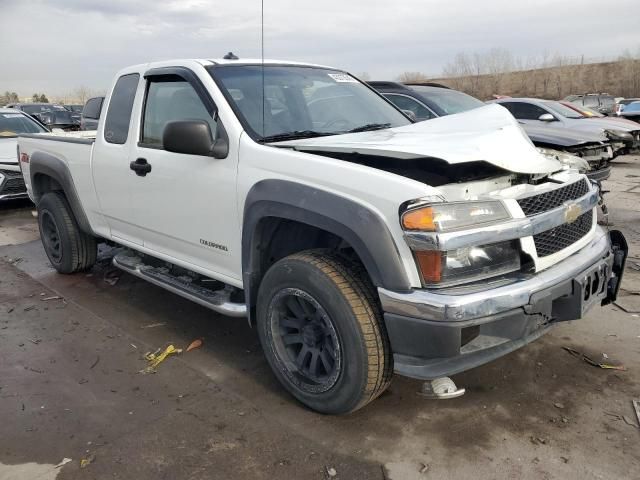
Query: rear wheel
[(68, 248), (322, 331)]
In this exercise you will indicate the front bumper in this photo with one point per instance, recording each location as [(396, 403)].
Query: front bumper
[(599, 174), (435, 334)]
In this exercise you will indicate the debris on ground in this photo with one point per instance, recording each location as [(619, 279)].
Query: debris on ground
[(197, 343), (538, 440), (64, 461), (636, 407), (558, 405), (157, 357), (85, 462), (624, 418), (111, 276), (590, 361), (94, 363), (154, 325), (424, 468), (331, 471), (55, 297)]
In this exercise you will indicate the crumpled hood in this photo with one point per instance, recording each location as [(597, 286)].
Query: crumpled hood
[(561, 136), (8, 150), (488, 133)]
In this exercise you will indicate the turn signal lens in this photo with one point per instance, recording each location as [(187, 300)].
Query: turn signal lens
[(430, 264), (443, 217), (419, 219)]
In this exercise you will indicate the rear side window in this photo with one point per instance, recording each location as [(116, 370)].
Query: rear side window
[(590, 101), (407, 103), (92, 108), (116, 127), (524, 111)]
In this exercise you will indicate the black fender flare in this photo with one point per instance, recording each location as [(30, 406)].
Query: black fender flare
[(41, 163), (364, 229)]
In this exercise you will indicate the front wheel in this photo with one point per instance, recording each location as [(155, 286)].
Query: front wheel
[(322, 331)]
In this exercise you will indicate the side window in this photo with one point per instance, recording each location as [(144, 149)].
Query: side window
[(168, 101), (404, 102), (524, 111), (116, 127)]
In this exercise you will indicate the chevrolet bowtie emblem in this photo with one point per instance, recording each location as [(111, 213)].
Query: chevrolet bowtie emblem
[(572, 213)]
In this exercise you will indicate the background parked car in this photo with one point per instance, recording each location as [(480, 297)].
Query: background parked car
[(602, 102), (50, 114), (430, 101), (533, 111), (621, 104), (631, 112), (91, 113), (12, 123), (76, 111)]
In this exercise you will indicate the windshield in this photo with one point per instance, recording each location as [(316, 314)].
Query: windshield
[(563, 110), (302, 101), (450, 101), (11, 124)]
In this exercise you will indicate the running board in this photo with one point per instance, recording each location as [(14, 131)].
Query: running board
[(216, 300)]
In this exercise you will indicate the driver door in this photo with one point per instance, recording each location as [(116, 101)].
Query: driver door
[(186, 204)]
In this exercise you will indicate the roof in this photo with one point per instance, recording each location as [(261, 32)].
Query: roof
[(11, 110)]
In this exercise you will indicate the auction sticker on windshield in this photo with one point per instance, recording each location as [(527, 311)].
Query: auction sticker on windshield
[(342, 78)]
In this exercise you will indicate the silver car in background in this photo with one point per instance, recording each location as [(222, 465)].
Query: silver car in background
[(534, 111)]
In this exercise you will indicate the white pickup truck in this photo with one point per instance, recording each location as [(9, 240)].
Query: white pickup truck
[(358, 242)]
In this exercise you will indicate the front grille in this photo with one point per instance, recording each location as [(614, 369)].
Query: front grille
[(12, 184), (546, 201), (562, 236)]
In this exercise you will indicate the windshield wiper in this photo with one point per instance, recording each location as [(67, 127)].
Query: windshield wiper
[(295, 135), (368, 127)]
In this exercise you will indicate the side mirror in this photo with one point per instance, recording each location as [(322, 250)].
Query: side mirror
[(410, 114), (193, 137), (546, 117)]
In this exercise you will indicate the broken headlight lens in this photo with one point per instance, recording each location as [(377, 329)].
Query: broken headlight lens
[(441, 217), (465, 265), (619, 135)]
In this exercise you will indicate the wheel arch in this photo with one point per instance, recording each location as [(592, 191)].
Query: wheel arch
[(48, 173), (334, 218)]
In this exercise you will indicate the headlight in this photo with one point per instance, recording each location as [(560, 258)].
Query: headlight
[(469, 264), (619, 135), (566, 159), (442, 217)]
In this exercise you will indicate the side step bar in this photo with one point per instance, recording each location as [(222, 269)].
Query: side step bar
[(216, 300)]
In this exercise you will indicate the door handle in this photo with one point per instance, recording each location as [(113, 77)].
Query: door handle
[(140, 166)]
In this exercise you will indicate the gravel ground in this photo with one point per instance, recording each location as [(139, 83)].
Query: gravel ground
[(70, 387)]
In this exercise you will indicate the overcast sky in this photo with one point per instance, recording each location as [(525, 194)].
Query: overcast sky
[(54, 46)]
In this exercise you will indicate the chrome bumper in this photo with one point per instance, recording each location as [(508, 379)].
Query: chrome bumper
[(448, 307)]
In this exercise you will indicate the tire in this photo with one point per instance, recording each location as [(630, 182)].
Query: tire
[(68, 248), (319, 301)]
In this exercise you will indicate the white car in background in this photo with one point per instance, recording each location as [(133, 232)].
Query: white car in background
[(12, 123)]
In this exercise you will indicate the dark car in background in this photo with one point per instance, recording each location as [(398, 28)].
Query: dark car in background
[(76, 111), (91, 113), (428, 101), (601, 102), (50, 114)]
